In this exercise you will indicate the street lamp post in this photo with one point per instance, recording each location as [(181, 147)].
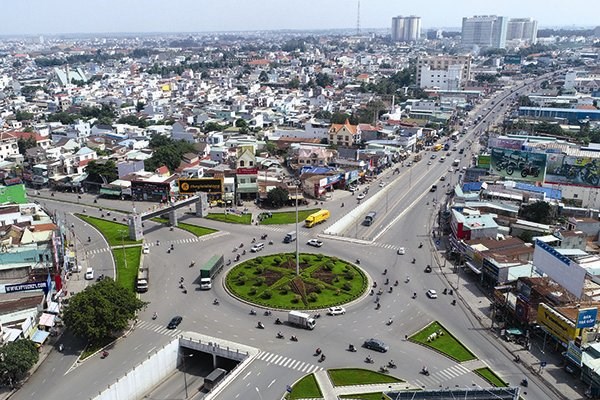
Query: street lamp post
[(183, 356)]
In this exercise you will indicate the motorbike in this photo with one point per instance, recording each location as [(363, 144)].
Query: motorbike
[(317, 315), (450, 292), (424, 371), (280, 335), (253, 240), (244, 252), (322, 358), (380, 292), (252, 312), (387, 281), (378, 306), (263, 237), (228, 262), (104, 354), (278, 322), (391, 289), (154, 316), (267, 313), (158, 242), (192, 264), (318, 351), (396, 283), (89, 239), (351, 348), (524, 383), (372, 292), (530, 170), (234, 249), (384, 369), (391, 364), (369, 360), (420, 244), (237, 258), (60, 347), (172, 247), (342, 205), (260, 325), (414, 260), (270, 242), (453, 302), (374, 284), (293, 338), (414, 296), (241, 245), (385, 272), (358, 261), (428, 269), (390, 321), (215, 302)]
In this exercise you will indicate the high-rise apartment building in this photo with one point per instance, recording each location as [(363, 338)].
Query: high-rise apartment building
[(406, 29), (524, 29), (484, 31), (444, 72)]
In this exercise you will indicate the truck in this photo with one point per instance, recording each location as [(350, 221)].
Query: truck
[(290, 237), (209, 270), (316, 218), (141, 283), (301, 319)]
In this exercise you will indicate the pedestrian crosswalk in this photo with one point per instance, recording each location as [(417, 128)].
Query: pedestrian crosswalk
[(194, 239), (160, 329), (288, 362), (98, 251), (444, 375)]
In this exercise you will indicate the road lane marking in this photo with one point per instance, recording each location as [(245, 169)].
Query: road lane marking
[(247, 375), (272, 382)]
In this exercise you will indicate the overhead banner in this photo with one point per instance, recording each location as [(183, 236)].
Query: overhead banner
[(571, 170), (586, 318), (22, 287), (518, 165), (207, 185)]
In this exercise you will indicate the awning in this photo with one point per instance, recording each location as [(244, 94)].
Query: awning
[(515, 331), (40, 336), (53, 307), (473, 267), (47, 320), (110, 192)]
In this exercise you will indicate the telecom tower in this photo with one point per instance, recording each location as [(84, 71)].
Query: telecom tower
[(358, 19)]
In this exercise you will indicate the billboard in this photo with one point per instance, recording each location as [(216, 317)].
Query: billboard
[(586, 318), (518, 165), (556, 324), (484, 161), (568, 274), (514, 59), (207, 185), (571, 170), (506, 143)]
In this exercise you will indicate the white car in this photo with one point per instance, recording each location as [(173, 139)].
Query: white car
[(257, 247), (146, 249), (361, 196), (401, 251), (336, 311), (314, 243), (432, 294), (353, 189), (89, 274), (429, 162), (381, 184)]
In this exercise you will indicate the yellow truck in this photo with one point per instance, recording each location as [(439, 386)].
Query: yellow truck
[(316, 218)]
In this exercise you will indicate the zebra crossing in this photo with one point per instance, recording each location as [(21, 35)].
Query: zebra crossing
[(443, 376), (160, 329), (288, 362), (98, 251), (193, 239)]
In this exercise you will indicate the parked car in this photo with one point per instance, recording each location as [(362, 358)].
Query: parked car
[(175, 321), (336, 311), (89, 274), (432, 294), (314, 243), (361, 196), (376, 344)]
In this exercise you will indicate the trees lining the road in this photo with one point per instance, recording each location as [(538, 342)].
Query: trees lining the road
[(16, 359), (101, 310)]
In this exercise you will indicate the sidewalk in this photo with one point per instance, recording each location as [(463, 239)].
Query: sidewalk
[(331, 392)]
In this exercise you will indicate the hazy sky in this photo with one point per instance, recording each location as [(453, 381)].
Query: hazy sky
[(69, 16)]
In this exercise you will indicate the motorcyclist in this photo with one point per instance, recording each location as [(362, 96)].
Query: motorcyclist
[(279, 334), (318, 351), (216, 301), (425, 370), (155, 315), (260, 325), (369, 359), (390, 321)]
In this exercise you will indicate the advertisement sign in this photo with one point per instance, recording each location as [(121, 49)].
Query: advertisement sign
[(571, 170), (506, 143), (514, 59), (569, 275), (21, 287), (586, 318), (574, 353), (246, 171), (518, 165), (207, 185), (142, 190), (559, 326), (484, 161)]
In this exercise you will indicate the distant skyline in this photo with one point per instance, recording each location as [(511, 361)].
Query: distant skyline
[(32, 17)]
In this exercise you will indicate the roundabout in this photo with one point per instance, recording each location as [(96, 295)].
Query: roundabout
[(271, 281)]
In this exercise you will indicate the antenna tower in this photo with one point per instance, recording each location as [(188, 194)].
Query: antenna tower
[(358, 19)]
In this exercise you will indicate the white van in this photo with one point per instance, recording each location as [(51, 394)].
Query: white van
[(257, 247), (89, 273)]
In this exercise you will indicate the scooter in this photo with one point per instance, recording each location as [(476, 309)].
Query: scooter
[(252, 312), (414, 296), (424, 372), (351, 348), (369, 360), (524, 383), (270, 242), (278, 322), (378, 306), (104, 354), (390, 321), (453, 302), (263, 237), (322, 358), (260, 326), (391, 364), (154, 316), (396, 283), (414, 261), (391, 289), (280, 335), (318, 351), (215, 302), (384, 369), (293, 338)]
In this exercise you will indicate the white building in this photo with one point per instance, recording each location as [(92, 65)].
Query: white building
[(484, 31), (8, 145), (522, 29), (406, 29), (449, 79), (443, 68)]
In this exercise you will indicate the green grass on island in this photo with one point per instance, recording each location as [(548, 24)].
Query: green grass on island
[(127, 265), (115, 233), (193, 229), (490, 376), (364, 396), (285, 217), (271, 281), (359, 376), (305, 388), (446, 344), (245, 219)]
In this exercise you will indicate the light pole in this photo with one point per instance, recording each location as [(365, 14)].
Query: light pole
[(183, 356), (123, 246), (297, 184)]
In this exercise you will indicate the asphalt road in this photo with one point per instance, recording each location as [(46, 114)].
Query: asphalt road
[(404, 220)]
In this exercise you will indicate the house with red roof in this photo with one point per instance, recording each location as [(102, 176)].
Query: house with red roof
[(344, 134)]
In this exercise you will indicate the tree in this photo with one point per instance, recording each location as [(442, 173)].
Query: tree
[(271, 148), (241, 123), (213, 126), (140, 105), (277, 197), (25, 144), (294, 83), (101, 310), (166, 152), (102, 171), (323, 80), (17, 358), (263, 77), (539, 212), (323, 114), (23, 115)]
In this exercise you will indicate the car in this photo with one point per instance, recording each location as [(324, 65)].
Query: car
[(432, 294), (336, 311), (146, 249), (433, 156), (353, 189), (376, 344), (89, 274), (429, 162), (443, 178), (401, 251), (175, 321), (257, 247), (450, 169), (361, 196), (314, 243), (381, 184), (433, 188)]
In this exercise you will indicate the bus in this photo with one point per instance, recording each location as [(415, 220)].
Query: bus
[(454, 136)]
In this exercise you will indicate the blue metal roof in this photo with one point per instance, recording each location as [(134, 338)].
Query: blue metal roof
[(472, 187), (555, 194)]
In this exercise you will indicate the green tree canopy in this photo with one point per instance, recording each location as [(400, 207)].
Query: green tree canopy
[(133, 120), (263, 77), (101, 310), (166, 152), (539, 212), (27, 143), (17, 358), (277, 197), (102, 171), (323, 79)]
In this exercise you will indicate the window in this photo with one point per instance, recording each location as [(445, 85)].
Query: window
[(241, 163), (250, 163)]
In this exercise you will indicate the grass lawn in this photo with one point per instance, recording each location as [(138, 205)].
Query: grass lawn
[(287, 217), (194, 229), (491, 377), (115, 233), (358, 376), (364, 396), (445, 344), (245, 219), (305, 388), (127, 276), (271, 281)]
